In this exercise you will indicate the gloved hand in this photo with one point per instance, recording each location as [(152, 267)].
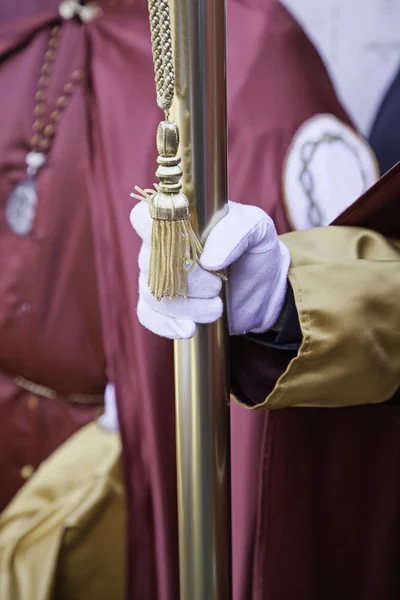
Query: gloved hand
[(245, 243), (109, 419)]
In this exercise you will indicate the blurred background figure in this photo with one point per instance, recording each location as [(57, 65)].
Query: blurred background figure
[(359, 44)]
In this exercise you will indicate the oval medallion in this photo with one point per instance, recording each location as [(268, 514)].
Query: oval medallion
[(327, 167), (21, 207)]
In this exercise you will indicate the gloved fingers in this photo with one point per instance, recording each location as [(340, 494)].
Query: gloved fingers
[(109, 393), (109, 419), (200, 283), (239, 231), (163, 325), (199, 310), (141, 221)]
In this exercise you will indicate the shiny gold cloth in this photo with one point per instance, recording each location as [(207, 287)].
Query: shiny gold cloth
[(346, 283), (63, 535)]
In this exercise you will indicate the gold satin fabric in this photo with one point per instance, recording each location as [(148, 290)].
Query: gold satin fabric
[(346, 283), (63, 535)]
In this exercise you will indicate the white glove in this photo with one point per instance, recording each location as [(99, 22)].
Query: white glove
[(109, 419), (245, 240)]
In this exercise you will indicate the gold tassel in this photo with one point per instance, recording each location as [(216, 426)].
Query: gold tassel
[(175, 248)]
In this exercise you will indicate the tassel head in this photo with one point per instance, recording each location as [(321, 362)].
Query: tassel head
[(169, 203), (175, 248)]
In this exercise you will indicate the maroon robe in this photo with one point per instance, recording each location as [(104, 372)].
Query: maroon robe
[(314, 492), (50, 327)]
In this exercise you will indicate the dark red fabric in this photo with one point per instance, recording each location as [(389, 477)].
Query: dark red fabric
[(276, 82), (50, 325), (327, 524), (31, 428)]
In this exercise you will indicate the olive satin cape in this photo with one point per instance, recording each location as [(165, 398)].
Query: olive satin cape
[(63, 534)]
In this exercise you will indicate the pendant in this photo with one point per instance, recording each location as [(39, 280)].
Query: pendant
[(21, 207), (21, 204)]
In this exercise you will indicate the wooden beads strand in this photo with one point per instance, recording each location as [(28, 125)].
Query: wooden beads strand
[(43, 132)]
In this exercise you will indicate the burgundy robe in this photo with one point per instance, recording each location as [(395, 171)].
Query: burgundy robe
[(50, 327), (314, 492)]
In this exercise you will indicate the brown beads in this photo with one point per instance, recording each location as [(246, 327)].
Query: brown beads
[(55, 115), (44, 132), (77, 75), (50, 54), (43, 81), (62, 102), (44, 144), (39, 110), (35, 140), (38, 124), (49, 130), (40, 95), (68, 88)]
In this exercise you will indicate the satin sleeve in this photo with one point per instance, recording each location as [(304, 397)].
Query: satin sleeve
[(346, 288)]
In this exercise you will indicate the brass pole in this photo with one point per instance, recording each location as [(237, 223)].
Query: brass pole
[(201, 377)]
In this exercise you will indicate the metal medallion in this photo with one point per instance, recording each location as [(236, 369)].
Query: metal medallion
[(21, 207)]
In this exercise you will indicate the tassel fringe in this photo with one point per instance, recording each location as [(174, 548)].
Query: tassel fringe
[(175, 251), (175, 247)]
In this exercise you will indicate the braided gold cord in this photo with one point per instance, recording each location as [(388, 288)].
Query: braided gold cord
[(175, 246), (161, 41)]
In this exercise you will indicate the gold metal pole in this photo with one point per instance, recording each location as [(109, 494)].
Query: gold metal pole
[(201, 377)]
